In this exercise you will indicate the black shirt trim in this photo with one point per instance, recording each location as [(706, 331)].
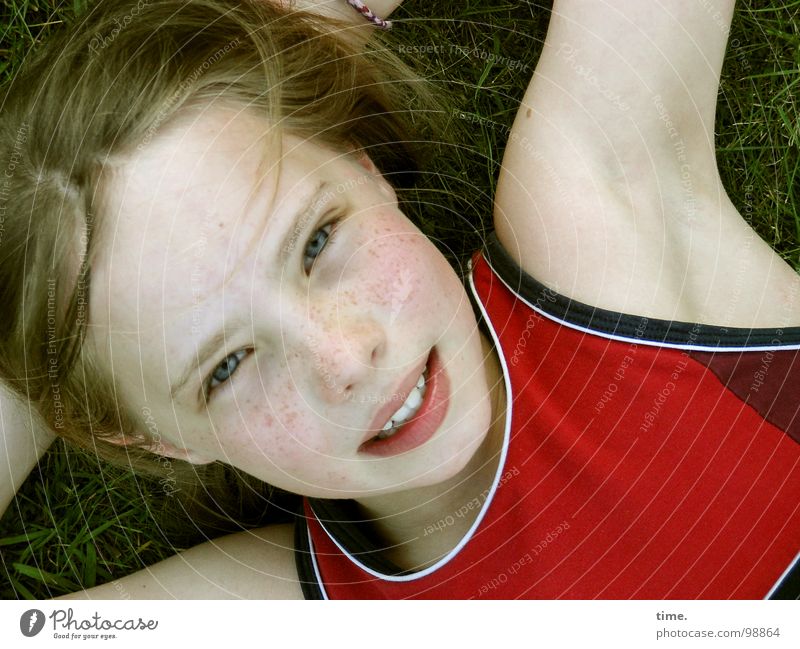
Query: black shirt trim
[(789, 585), (342, 520), (303, 561), (623, 325)]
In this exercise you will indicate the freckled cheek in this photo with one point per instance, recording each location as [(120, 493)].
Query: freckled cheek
[(284, 433), (402, 270)]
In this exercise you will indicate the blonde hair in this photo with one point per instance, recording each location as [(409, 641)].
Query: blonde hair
[(107, 85)]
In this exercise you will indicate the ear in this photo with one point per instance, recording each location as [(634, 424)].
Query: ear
[(385, 186), (365, 161), (160, 447)]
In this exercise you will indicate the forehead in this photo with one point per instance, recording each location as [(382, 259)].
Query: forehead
[(177, 220)]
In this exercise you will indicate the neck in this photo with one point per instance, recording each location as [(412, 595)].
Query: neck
[(420, 526)]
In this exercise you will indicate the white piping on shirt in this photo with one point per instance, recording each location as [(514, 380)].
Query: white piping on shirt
[(785, 574), (482, 513)]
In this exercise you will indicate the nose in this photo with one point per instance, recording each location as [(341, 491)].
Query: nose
[(343, 354)]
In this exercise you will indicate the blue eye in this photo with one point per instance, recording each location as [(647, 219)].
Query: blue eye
[(225, 370), (321, 237)]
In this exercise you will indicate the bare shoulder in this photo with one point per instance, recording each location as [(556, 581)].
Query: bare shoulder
[(609, 191), (257, 564)]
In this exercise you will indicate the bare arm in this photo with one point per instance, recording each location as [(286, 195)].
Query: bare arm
[(609, 190), (258, 564), (23, 440)]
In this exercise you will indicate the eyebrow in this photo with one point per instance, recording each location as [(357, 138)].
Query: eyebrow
[(307, 211), (212, 345), (209, 348)]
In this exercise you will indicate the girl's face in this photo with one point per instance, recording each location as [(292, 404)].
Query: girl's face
[(292, 290)]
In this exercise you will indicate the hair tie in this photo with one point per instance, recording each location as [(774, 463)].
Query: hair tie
[(364, 10)]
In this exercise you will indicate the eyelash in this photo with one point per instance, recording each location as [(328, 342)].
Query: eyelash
[(329, 239), (208, 387)]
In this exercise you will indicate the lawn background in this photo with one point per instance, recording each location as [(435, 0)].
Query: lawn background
[(77, 523)]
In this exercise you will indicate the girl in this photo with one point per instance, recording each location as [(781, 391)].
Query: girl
[(503, 440)]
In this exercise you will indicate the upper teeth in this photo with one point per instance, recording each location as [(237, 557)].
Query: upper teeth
[(410, 407)]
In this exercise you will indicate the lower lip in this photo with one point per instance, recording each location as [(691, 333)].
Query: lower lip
[(422, 426)]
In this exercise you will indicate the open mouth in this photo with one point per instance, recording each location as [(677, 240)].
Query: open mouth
[(411, 406), (420, 415)]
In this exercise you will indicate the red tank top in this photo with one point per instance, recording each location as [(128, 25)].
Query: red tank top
[(643, 459)]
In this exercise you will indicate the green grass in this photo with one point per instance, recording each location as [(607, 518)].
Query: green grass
[(77, 523), (757, 123)]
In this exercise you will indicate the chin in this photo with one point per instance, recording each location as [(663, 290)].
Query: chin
[(454, 458)]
